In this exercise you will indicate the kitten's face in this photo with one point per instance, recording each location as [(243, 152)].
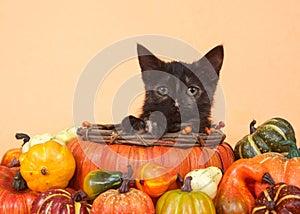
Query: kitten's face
[(182, 92)]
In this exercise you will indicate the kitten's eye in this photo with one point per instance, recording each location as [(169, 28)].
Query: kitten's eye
[(192, 91), (163, 90)]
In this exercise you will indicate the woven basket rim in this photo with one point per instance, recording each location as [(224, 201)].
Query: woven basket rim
[(112, 134)]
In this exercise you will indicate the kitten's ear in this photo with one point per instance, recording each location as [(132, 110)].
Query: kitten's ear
[(215, 57), (147, 60)]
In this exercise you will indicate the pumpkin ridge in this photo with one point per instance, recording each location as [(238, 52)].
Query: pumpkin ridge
[(179, 202), (285, 167), (220, 156)]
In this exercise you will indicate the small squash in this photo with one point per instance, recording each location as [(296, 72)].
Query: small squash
[(62, 137), (265, 138), (234, 195), (10, 156), (279, 198), (281, 168), (47, 165), (98, 181), (206, 180), (155, 179), (124, 200), (185, 201), (11, 200), (58, 200)]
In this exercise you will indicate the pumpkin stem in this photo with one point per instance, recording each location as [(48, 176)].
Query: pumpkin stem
[(14, 163), (179, 178), (252, 128), (44, 171), (23, 136), (126, 179), (19, 182), (270, 205), (186, 187), (129, 172), (79, 196), (268, 179)]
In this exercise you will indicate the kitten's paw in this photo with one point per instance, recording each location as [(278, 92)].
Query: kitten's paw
[(154, 129), (156, 125), (132, 124)]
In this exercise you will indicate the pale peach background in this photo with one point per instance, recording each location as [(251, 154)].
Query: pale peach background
[(45, 46)]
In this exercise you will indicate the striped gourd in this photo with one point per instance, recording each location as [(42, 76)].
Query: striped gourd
[(58, 200), (206, 180), (265, 138), (279, 198)]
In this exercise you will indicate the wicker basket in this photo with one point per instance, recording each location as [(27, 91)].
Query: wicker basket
[(113, 134)]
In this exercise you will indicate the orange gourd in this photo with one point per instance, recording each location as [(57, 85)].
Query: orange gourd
[(155, 179), (234, 195), (47, 165), (281, 168), (10, 155), (11, 200)]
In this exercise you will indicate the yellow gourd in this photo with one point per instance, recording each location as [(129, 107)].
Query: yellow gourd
[(46, 165)]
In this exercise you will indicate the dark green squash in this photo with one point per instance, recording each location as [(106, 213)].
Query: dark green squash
[(265, 138), (98, 181)]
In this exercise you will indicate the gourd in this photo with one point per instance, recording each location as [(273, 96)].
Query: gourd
[(185, 201), (155, 179), (47, 165), (206, 180), (281, 168), (62, 137), (10, 156), (265, 138), (124, 200), (98, 181), (11, 200), (279, 198), (58, 200), (234, 195)]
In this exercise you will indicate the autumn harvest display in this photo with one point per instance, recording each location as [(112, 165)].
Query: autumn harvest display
[(98, 169)]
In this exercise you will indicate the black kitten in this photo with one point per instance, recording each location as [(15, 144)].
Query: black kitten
[(177, 94)]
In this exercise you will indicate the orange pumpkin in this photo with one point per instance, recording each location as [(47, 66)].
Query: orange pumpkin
[(11, 200), (10, 155), (115, 157), (124, 200), (46, 165), (281, 168)]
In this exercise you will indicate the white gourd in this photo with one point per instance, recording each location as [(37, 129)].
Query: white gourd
[(61, 137), (206, 180)]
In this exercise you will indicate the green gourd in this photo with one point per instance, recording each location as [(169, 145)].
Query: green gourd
[(98, 181), (265, 138), (184, 200)]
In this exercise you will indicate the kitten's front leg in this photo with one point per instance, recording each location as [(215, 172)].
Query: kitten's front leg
[(132, 124), (156, 124)]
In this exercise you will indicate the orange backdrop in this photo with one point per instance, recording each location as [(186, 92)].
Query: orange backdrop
[(45, 46)]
